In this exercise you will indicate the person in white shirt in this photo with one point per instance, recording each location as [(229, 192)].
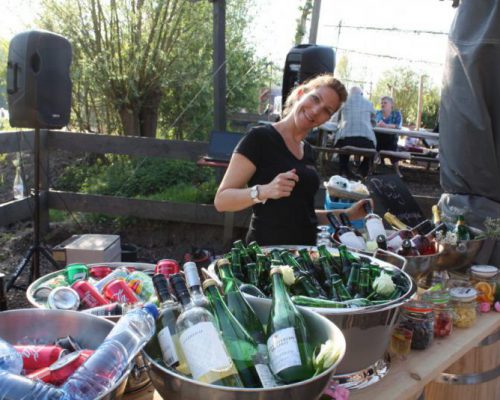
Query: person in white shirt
[(356, 129)]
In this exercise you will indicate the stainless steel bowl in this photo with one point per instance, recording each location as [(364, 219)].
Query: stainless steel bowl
[(138, 378), (173, 386), (45, 326), (367, 330)]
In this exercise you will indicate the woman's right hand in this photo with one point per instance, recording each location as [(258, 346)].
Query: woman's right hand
[(281, 186)]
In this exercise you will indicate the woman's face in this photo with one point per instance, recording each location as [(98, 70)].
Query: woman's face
[(316, 107), (386, 105)]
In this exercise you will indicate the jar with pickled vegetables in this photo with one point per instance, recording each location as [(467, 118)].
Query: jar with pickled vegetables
[(463, 302), (443, 312), (418, 317)]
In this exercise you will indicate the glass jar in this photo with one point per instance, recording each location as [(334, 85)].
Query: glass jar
[(484, 279), (463, 302), (418, 317), (443, 313)]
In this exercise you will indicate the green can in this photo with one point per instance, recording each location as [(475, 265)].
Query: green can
[(76, 272)]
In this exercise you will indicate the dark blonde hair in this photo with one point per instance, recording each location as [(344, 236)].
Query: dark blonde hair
[(319, 81)]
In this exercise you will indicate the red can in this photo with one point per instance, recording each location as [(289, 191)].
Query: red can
[(167, 267), (99, 271), (118, 290), (57, 373), (89, 296), (39, 356)]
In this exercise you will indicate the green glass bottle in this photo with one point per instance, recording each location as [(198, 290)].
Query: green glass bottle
[(311, 286), (364, 288), (252, 287), (328, 273), (304, 253), (263, 265), (461, 230), (237, 303), (341, 290), (290, 352), (206, 354), (252, 273), (323, 252), (242, 348), (236, 264), (276, 256), (345, 262), (245, 256), (353, 281), (320, 303)]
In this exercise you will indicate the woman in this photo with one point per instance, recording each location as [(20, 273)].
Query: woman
[(387, 117), (278, 167)]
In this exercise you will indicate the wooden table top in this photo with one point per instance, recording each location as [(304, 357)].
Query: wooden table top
[(406, 378)]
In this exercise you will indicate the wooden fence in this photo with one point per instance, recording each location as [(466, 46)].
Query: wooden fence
[(51, 141)]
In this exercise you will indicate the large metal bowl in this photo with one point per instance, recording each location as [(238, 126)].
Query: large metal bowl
[(138, 379), (45, 326), (173, 386), (367, 330)]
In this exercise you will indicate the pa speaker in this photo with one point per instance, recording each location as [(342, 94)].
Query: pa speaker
[(38, 80), (304, 62)]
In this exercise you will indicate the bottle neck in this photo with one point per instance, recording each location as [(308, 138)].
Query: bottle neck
[(279, 290)]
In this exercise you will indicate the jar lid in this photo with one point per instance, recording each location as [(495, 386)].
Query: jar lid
[(484, 271), (463, 293), (417, 307), (436, 297)]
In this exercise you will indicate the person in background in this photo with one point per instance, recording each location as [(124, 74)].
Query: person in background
[(357, 119), (411, 142), (273, 169), (387, 117)]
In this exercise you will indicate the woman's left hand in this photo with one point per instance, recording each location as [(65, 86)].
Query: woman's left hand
[(356, 211)]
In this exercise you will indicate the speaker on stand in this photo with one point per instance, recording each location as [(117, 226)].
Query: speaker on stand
[(304, 62), (39, 97)]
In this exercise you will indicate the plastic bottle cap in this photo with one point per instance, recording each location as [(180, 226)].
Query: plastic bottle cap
[(152, 309)]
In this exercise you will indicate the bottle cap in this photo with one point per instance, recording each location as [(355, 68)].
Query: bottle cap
[(152, 309), (275, 270), (161, 286), (178, 285), (463, 293), (209, 282), (191, 274)]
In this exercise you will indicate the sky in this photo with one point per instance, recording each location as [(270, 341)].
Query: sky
[(274, 24)]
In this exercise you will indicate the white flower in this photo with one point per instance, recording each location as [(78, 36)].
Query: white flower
[(288, 275), (328, 354), (383, 284)]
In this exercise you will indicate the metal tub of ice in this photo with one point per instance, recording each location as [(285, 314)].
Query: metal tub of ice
[(33, 326), (175, 386)]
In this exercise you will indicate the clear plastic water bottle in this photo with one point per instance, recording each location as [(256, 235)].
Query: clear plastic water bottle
[(17, 387), (106, 366), (18, 186), (10, 359)]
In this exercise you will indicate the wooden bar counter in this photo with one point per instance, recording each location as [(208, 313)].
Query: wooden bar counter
[(408, 378)]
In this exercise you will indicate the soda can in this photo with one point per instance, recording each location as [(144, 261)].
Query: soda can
[(119, 291), (167, 267), (41, 293), (68, 343), (39, 356), (89, 296), (75, 272), (63, 298), (100, 271), (141, 284), (57, 373), (119, 273)]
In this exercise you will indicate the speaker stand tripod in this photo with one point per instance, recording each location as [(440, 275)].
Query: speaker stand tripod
[(37, 249)]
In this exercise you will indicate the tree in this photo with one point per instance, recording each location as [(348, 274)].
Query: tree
[(305, 12), (402, 85), (143, 62)]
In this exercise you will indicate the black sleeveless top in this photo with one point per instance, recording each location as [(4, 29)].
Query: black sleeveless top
[(288, 220)]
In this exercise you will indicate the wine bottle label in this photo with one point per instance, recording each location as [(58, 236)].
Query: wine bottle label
[(283, 350), (375, 227), (205, 353), (351, 240), (167, 346), (265, 375)]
